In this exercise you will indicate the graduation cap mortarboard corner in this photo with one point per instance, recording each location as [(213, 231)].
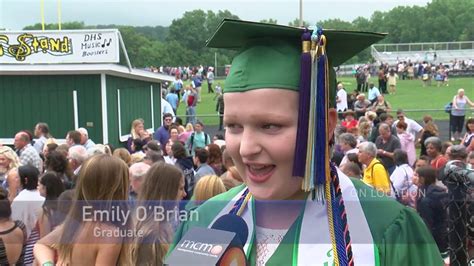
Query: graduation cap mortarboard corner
[(269, 54)]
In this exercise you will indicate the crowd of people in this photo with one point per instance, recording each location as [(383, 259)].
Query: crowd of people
[(380, 150), (40, 177)]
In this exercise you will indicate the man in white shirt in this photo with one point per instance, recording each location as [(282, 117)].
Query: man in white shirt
[(412, 126), (341, 100), (373, 93)]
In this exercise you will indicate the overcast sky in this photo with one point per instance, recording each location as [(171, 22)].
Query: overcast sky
[(15, 14)]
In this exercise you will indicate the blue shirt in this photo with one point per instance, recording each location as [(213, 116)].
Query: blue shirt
[(373, 93), (172, 98), (162, 135)]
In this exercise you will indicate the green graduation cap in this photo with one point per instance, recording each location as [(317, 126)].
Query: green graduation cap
[(269, 54)]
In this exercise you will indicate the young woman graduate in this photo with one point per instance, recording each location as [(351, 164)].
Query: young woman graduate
[(299, 208)]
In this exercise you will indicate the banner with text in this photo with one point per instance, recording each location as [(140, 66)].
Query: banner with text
[(56, 47)]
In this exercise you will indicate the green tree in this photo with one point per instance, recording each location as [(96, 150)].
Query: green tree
[(296, 23), (269, 21)]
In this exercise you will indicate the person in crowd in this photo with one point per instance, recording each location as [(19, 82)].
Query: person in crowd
[(210, 79), (200, 159), (49, 146), (77, 155), (402, 179), (383, 118), (138, 135), (392, 78), (219, 140), (468, 137), (173, 99), (341, 100), (364, 130), (386, 144), (373, 93), (375, 173), (27, 204), (50, 186), (178, 85), (13, 234), (184, 136), (164, 186), (27, 207), (382, 78), (136, 175), (423, 160), (185, 163), (431, 205), (42, 135), (58, 163), (168, 155), (8, 160), (198, 139), (349, 121), (220, 110), (165, 105), (381, 105), (174, 133), (196, 83), (64, 243), (207, 187), (28, 155), (262, 139), (361, 105), (231, 178), (215, 158), (162, 134), (458, 113), (430, 129), (351, 170), (85, 140), (407, 141), (122, 154), (152, 157), (348, 144), (191, 103), (415, 129), (433, 149), (73, 138)]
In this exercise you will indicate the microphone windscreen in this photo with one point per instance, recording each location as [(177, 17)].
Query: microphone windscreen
[(233, 223)]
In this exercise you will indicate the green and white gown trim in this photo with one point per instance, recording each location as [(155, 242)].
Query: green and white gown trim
[(313, 240)]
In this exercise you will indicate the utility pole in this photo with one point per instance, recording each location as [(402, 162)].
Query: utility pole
[(301, 13)]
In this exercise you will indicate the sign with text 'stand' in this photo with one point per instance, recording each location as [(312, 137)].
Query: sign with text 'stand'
[(57, 47)]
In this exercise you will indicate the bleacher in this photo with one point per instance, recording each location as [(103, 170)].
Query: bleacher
[(441, 52)]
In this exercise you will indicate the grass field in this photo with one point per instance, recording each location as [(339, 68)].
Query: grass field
[(411, 96)]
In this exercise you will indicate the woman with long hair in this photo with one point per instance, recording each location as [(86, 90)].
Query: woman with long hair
[(50, 186), (102, 179), (9, 162), (431, 205), (163, 187), (12, 234), (430, 129), (468, 137), (207, 187), (138, 136)]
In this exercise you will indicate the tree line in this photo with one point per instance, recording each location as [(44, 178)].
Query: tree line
[(183, 42)]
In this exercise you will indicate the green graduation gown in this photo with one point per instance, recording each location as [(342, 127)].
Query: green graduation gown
[(400, 236)]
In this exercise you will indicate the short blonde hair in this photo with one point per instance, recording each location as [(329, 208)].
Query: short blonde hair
[(189, 127), (207, 187)]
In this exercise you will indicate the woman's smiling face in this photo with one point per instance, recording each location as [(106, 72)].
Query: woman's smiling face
[(260, 137)]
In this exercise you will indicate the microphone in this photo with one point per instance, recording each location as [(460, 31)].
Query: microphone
[(222, 244)]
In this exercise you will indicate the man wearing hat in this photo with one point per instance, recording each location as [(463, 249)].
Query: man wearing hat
[(299, 209)]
